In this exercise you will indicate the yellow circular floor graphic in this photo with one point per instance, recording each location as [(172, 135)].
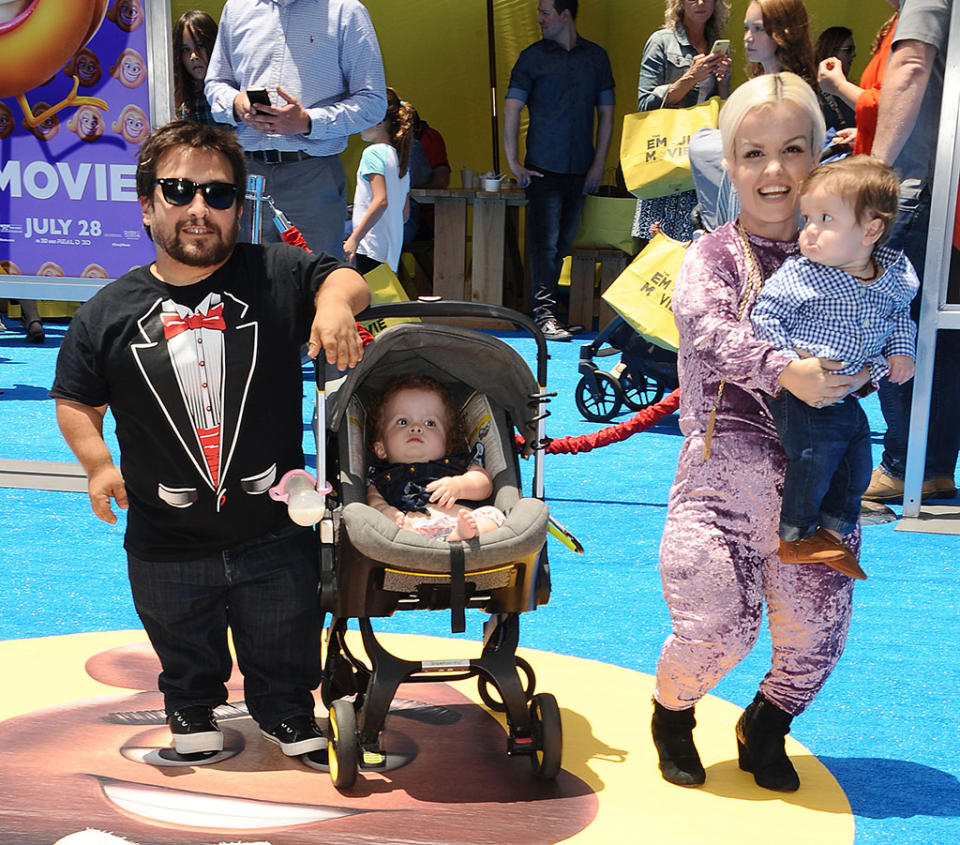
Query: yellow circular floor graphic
[(79, 714)]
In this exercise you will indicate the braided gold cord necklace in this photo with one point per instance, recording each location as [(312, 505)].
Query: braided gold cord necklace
[(750, 292)]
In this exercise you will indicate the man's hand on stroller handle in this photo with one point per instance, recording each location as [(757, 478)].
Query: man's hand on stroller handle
[(343, 294)]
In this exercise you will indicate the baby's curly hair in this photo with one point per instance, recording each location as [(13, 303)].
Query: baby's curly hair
[(456, 434)]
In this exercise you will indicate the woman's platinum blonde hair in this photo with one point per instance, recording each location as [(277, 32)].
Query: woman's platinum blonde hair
[(717, 23), (768, 90)]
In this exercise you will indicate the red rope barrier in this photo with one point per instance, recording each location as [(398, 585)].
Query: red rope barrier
[(641, 421)]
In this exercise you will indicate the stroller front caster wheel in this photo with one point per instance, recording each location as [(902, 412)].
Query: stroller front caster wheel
[(484, 686), (638, 391), (547, 733), (598, 396), (343, 749)]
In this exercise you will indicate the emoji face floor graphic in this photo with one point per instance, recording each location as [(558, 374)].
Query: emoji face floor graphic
[(82, 765), (81, 719)]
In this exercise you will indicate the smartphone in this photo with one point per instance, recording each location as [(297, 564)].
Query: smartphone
[(721, 45), (259, 96)]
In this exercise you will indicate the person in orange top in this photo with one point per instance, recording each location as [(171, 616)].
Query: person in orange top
[(865, 97)]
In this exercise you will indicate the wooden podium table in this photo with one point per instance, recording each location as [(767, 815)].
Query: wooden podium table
[(494, 235)]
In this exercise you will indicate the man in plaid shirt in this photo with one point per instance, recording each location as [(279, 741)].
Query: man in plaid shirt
[(846, 299)]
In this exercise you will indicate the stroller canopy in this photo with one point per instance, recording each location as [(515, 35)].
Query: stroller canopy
[(452, 355)]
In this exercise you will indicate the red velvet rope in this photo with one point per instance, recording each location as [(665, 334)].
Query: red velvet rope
[(641, 421)]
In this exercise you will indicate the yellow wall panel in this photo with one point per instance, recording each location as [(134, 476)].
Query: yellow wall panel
[(435, 54)]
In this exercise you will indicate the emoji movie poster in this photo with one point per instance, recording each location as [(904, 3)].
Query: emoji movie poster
[(74, 107)]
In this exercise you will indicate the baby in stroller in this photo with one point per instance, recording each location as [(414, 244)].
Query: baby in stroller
[(418, 433), (372, 566)]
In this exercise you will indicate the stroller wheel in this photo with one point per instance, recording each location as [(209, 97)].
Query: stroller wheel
[(343, 750), (495, 704), (639, 391), (547, 735), (598, 396)]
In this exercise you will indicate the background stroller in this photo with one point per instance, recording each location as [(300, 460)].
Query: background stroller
[(371, 568), (647, 371)]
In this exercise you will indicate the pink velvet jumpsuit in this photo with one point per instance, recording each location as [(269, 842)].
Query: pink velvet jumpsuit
[(718, 555)]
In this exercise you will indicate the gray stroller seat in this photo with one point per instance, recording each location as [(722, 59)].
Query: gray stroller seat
[(372, 568)]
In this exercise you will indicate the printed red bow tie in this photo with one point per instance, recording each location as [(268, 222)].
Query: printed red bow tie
[(173, 324)]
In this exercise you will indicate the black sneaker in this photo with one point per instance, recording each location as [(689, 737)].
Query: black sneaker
[(552, 330), (195, 730), (297, 735)]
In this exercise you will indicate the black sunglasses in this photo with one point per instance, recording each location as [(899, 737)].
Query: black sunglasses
[(219, 195)]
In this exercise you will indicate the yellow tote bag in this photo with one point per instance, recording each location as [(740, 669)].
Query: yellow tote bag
[(654, 148), (385, 287), (642, 293), (606, 222)]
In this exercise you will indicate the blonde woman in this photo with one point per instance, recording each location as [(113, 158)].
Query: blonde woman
[(718, 554)]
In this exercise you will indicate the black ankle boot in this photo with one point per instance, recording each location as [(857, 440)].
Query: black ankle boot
[(760, 742), (673, 737)]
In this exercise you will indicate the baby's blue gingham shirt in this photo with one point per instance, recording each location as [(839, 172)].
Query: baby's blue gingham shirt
[(830, 314)]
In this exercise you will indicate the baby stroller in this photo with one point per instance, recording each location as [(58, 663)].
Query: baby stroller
[(371, 568), (647, 371)]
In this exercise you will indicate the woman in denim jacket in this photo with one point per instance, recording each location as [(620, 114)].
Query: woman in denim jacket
[(678, 70)]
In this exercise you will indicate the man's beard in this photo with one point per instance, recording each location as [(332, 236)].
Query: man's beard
[(196, 253)]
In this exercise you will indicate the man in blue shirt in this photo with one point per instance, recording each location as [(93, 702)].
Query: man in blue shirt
[(319, 61), (561, 79)]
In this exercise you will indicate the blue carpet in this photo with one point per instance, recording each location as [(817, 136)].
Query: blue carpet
[(885, 724)]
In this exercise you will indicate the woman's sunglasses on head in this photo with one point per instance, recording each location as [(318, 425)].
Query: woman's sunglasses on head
[(218, 195)]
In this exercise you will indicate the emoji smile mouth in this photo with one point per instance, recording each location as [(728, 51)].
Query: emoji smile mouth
[(15, 12), (219, 812)]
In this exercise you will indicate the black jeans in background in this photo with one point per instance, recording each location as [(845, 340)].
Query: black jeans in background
[(554, 202)]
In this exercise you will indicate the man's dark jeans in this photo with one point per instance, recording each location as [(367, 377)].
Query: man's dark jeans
[(266, 591), (829, 464), (943, 432), (554, 202)]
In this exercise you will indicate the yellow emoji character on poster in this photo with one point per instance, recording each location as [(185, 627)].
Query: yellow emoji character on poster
[(85, 65), (130, 70), (126, 14), (6, 121), (94, 271), (132, 125), (44, 130), (88, 123), (37, 38), (50, 268)]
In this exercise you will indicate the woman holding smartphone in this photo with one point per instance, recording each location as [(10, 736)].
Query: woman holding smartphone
[(681, 66)]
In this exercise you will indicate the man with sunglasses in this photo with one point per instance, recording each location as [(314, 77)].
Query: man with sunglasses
[(198, 357)]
